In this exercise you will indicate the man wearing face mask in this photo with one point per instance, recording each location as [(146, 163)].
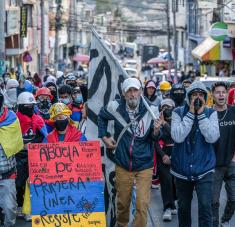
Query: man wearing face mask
[(133, 150), (194, 129), (65, 94), (77, 105), (43, 98), (10, 94), (164, 159), (65, 130), (53, 89), (177, 94), (33, 131)]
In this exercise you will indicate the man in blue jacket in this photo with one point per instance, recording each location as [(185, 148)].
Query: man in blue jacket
[(133, 149), (194, 129)]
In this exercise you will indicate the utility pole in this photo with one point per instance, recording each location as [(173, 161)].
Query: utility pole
[(175, 38), (168, 38), (42, 57), (58, 26), (2, 37)]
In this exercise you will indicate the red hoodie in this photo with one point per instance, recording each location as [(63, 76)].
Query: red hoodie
[(231, 96)]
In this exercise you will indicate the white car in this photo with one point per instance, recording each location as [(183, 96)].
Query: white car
[(131, 63), (131, 72)]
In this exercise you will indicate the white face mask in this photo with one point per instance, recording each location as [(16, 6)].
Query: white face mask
[(133, 103)]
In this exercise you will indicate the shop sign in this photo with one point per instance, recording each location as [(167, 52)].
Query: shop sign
[(229, 12), (218, 31), (227, 42), (23, 21)]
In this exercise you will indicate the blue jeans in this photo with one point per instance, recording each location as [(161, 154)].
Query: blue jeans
[(184, 190), (8, 201)]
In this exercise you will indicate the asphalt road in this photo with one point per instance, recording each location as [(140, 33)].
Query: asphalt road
[(155, 212)]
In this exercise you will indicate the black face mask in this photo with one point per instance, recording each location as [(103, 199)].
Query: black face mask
[(61, 125), (26, 110), (44, 106), (178, 98), (167, 113), (54, 94)]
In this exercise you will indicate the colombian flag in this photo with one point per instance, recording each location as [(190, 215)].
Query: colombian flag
[(10, 133)]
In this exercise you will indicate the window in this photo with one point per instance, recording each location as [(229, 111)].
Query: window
[(29, 15)]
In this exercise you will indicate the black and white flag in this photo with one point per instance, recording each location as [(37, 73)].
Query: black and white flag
[(104, 84)]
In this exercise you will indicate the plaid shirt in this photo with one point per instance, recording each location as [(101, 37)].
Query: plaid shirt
[(7, 165)]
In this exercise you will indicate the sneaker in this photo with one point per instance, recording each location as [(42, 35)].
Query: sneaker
[(155, 186), (174, 211), (225, 224), (167, 215), (28, 217), (19, 212)]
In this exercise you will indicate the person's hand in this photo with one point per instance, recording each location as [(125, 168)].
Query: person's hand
[(109, 142), (166, 160), (158, 123), (203, 106)]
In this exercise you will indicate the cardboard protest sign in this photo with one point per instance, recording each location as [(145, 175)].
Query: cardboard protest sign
[(66, 185)]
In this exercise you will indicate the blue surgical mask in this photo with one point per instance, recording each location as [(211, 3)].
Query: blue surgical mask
[(79, 99), (66, 101)]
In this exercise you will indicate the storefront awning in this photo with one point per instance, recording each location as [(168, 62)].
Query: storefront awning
[(208, 50)]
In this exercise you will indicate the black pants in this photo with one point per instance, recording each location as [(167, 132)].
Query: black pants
[(167, 185)]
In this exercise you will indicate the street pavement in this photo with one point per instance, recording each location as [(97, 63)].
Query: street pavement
[(155, 212)]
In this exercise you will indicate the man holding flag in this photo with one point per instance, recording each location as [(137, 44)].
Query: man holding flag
[(134, 131)]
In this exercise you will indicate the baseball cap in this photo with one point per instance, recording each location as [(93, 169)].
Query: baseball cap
[(131, 83), (151, 84), (167, 102)]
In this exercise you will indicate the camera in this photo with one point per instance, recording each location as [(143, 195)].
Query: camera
[(197, 104)]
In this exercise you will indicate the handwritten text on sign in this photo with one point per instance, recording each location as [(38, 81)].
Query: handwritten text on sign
[(66, 184)]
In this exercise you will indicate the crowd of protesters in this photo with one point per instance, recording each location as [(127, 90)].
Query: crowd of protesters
[(188, 146)]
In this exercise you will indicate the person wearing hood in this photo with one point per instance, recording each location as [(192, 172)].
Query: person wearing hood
[(177, 94), (64, 128), (54, 91), (10, 144), (10, 94), (194, 129), (133, 150), (150, 93), (33, 131), (25, 86)]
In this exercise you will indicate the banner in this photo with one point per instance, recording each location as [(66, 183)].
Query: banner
[(66, 185), (104, 84), (23, 21)]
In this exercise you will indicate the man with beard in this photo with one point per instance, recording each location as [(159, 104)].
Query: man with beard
[(225, 155), (133, 150)]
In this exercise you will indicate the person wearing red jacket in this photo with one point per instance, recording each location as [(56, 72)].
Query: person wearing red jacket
[(231, 97), (64, 129)]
